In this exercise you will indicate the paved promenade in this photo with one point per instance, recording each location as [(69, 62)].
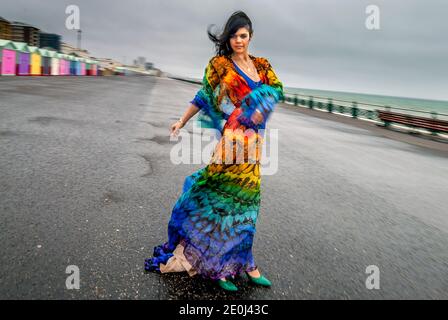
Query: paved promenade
[(86, 180)]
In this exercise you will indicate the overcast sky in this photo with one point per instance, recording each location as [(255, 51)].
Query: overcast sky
[(317, 44)]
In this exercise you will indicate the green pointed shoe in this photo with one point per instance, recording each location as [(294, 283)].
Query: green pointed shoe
[(227, 285), (261, 280)]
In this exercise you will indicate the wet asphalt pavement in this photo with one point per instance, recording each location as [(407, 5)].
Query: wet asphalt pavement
[(86, 180)]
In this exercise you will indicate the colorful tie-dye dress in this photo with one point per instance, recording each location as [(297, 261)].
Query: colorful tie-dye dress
[(212, 224)]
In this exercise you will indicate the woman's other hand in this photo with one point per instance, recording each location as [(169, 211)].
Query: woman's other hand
[(175, 127), (257, 117)]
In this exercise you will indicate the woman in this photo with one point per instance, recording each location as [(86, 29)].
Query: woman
[(212, 225)]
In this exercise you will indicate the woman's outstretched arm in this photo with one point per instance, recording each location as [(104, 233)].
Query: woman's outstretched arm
[(204, 99), (188, 114)]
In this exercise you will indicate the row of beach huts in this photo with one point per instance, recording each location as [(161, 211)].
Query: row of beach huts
[(20, 59)]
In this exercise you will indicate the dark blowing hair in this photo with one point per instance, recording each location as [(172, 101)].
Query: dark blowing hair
[(222, 42)]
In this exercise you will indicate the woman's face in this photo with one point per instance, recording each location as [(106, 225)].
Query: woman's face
[(239, 41)]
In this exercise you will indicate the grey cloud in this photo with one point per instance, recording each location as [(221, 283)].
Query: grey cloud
[(320, 44)]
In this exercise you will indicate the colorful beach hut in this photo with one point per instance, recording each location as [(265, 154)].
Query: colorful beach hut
[(73, 65), (36, 61), (61, 64), (94, 69), (7, 58), (78, 66), (83, 66), (91, 68), (54, 63), (45, 62), (64, 64), (22, 59), (88, 67)]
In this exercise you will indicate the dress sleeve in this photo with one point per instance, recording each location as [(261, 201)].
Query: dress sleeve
[(210, 115), (273, 80), (205, 96)]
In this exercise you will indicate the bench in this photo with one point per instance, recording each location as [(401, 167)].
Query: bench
[(433, 125)]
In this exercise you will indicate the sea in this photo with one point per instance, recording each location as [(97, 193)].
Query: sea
[(412, 104)]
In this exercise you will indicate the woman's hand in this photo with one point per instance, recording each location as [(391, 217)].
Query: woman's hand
[(175, 127), (257, 117)]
